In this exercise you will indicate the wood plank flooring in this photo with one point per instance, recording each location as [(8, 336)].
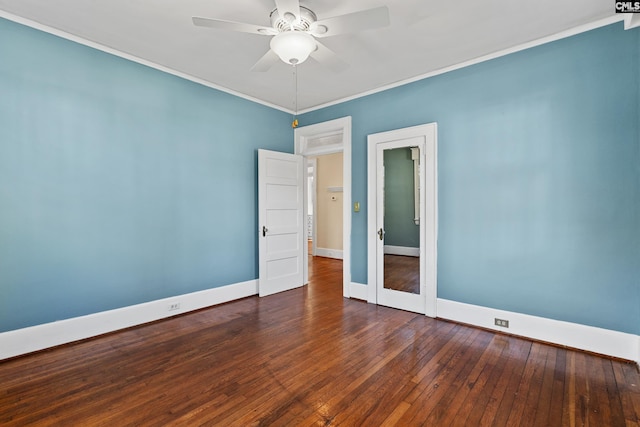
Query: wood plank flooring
[(309, 357)]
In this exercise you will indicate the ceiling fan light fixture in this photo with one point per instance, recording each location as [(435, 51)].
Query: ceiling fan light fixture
[(293, 47)]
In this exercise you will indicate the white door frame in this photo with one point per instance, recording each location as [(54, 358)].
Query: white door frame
[(430, 183), (313, 163), (302, 137)]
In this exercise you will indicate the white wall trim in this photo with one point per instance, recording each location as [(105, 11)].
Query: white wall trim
[(583, 337), (558, 36), (358, 291), (34, 338), (329, 253), (401, 250), (128, 56), (631, 20)]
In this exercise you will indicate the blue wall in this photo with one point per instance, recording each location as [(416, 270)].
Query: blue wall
[(119, 184), (539, 174)]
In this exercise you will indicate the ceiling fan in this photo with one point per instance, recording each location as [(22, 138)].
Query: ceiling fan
[(295, 30)]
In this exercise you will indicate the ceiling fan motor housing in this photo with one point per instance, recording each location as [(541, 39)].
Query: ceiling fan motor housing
[(294, 29), (288, 22)]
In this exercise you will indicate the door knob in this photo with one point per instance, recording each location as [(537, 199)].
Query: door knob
[(381, 233), (264, 231)]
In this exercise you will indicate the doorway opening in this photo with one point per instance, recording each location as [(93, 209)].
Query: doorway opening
[(323, 144), (325, 203)]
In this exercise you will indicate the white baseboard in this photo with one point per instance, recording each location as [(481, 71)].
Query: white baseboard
[(39, 337), (358, 291), (329, 253), (401, 250), (589, 338), (583, 337)]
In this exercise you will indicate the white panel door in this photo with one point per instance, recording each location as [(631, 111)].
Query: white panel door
[(282, 228)]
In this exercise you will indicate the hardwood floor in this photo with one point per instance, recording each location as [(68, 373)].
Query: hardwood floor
[(309, 357)]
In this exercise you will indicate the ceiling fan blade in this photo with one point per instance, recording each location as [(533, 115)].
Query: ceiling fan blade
[(265, 62), (328, 58), (351, 22), (233, 26), (291, 7)]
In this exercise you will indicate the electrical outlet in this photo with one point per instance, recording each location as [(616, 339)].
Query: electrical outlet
[(501, 322), (174, 306)]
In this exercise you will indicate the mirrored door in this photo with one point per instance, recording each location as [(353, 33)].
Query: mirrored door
[(400, 278)]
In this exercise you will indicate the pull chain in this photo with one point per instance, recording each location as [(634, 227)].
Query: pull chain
[(294, 124)]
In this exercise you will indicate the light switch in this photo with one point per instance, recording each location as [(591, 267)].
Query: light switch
[(356, 207)]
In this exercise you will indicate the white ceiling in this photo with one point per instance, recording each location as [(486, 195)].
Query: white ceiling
[(424, 36)]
